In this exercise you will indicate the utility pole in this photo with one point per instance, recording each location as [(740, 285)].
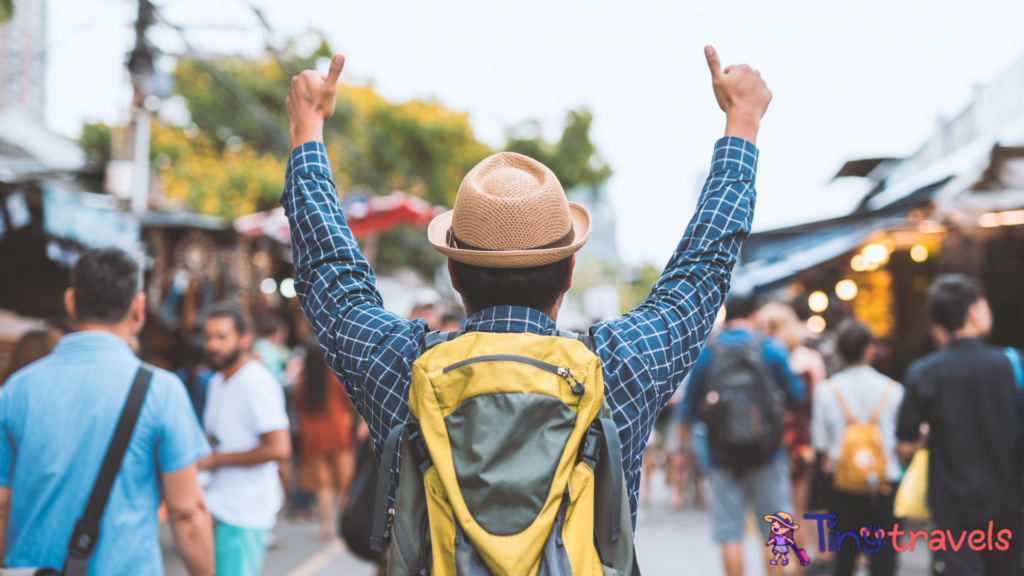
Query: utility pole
[(140, 65)]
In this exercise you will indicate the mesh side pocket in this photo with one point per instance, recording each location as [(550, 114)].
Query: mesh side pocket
[(467, 560), (554, 560)]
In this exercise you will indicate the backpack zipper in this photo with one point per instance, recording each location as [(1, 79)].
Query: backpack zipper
[(575, 385)]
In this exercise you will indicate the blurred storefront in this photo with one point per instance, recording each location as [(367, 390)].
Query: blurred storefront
[(957, 205)]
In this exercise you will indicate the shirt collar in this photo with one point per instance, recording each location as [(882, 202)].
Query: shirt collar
[(965, 343), (91, 340), (511, 319)]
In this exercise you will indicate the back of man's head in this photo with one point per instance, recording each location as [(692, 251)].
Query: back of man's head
[(538, 288), (854, 339), (739, 307), (105, 282), (949, 299)]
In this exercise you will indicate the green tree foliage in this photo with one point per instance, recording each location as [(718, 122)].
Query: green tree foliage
[(573, 159), (6, 10), (229, 158)]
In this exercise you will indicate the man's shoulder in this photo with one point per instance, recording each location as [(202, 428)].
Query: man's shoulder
[(255, 377)]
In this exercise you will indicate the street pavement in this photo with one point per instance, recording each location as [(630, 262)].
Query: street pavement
[(668, 543)]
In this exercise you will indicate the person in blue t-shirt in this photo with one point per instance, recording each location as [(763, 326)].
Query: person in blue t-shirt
[(57, 416), (767, 484)]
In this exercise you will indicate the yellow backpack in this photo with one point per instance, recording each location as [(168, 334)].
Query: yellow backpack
[(510, 463), (860, 468)]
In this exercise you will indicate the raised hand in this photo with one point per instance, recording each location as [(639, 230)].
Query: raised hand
[(311, 101), (742, 95)]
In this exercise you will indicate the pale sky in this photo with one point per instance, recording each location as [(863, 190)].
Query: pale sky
[(850, 79)]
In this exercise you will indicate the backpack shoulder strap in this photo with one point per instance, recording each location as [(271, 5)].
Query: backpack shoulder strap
[(87, 528), (877, 413), (1014, 357), (850, 418), (435, 337), (586, 339)]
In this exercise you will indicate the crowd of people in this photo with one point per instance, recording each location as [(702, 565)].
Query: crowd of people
[(960, 401)]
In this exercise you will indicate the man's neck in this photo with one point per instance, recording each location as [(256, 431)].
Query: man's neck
[(120, 330), (967, 332), (230, 371)]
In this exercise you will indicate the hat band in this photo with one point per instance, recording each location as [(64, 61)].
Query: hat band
[(454, 242)]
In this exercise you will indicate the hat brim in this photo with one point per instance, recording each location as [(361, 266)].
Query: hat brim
[(438, 230), (783, 521)]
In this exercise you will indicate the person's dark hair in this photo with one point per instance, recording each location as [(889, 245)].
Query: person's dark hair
[(854, 338), (105, 282), (270, 326), (537, 288), (32, 346), (314, 386), (949, 297), (192, 357), (233, 311), (739, 307)]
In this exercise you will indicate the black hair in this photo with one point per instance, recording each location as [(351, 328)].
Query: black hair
[(314, 385), (739, 307), (270, 326), (233, 311), (949, 297), (192, 356), (538, 287), (105, 283), (854, 338)]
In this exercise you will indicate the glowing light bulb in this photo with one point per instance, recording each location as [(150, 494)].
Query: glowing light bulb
[(288, 288), (268, 286), (818, 301), (859, 263), (816, 324), (846, 289), (919, 253)]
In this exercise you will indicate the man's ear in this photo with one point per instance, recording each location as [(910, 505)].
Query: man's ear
[(568, 281), (138, 309), (69, 303), (451, 274)]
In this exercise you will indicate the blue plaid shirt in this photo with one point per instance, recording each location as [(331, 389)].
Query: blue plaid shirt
[(645, 354)]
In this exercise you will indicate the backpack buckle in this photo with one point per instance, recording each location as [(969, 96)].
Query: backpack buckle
[(591, 447)]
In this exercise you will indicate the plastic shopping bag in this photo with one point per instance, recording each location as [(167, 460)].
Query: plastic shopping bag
[(912, 497)]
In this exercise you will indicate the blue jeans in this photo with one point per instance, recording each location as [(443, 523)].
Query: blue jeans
[(768, 487)]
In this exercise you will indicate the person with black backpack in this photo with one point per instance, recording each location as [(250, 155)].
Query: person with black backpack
[(740, 388)]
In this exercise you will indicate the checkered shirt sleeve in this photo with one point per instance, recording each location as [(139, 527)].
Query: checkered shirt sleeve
[(645, 354)]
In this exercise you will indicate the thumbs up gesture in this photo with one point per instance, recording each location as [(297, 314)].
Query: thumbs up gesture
[(742, 95), (311, 101)]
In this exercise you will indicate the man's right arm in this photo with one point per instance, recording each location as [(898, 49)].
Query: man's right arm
[(189, 519), (913, 411), (335, 284)]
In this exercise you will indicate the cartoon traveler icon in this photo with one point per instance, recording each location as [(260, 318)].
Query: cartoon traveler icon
[(782, 538)]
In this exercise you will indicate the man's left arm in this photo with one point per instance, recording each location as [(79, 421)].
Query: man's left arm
[(665, 334)]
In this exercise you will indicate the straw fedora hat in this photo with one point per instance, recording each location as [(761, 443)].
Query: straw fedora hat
[(510, 212)]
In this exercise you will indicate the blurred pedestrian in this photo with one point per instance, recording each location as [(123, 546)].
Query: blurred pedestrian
[(325, 430), (33, 345), (270, 347), (967, 393), (780, 321), (735, 382), (195, 373), (858, 394), (248, 427), (451, 322), (57, 417)]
